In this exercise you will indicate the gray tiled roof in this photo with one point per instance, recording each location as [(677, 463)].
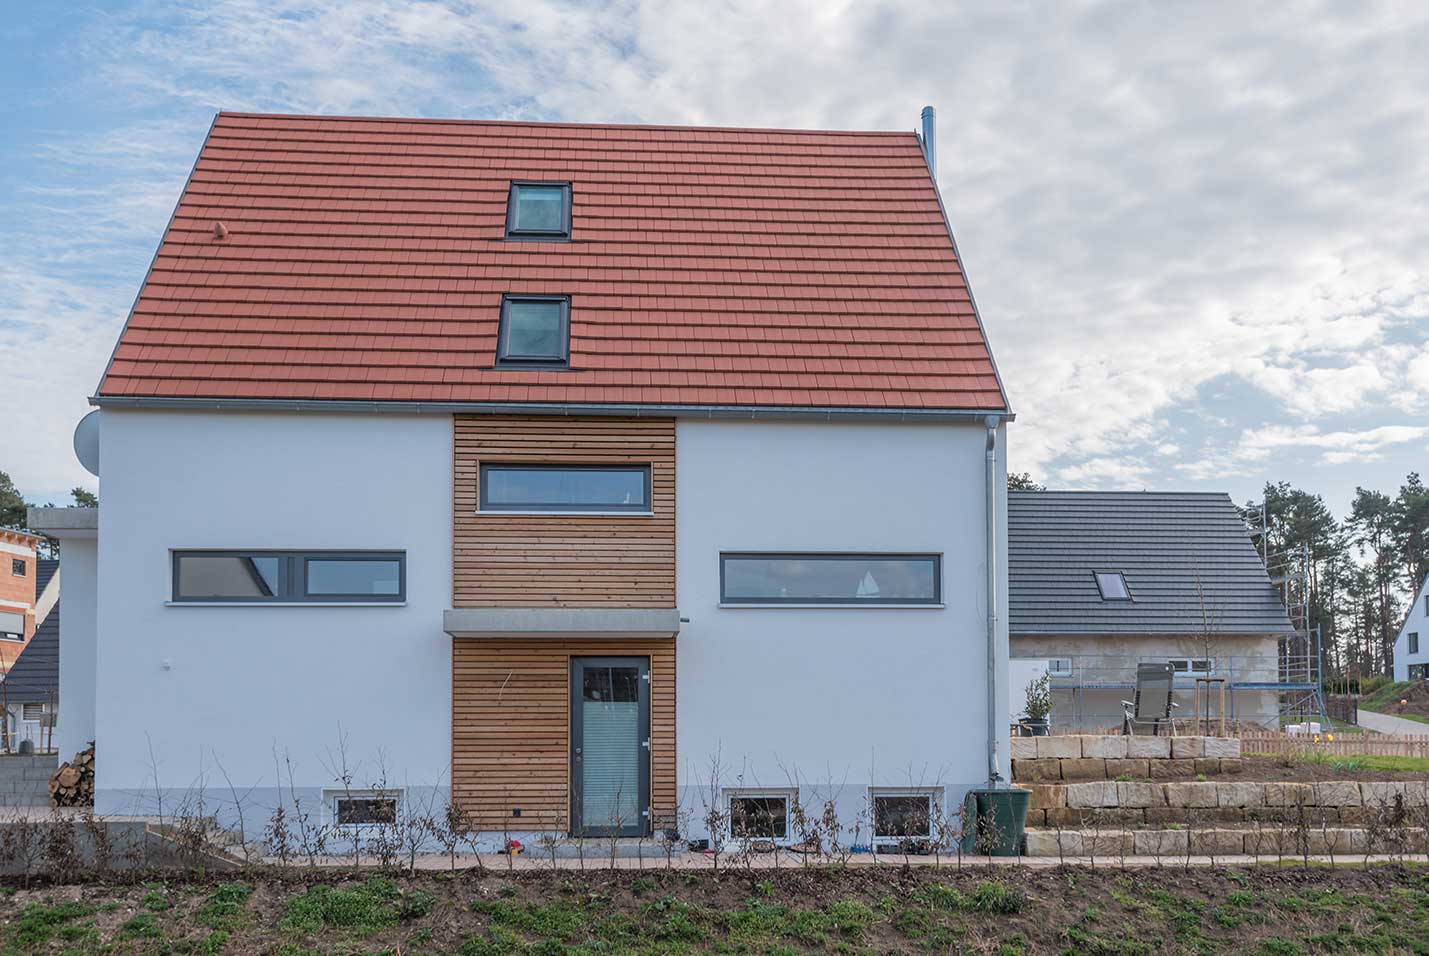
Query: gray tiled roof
[(1161, 542), (35, 675)]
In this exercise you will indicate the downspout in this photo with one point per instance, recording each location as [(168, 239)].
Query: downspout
[(994, 734)]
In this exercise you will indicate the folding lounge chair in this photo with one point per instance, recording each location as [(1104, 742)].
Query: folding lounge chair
[(1153, 703)]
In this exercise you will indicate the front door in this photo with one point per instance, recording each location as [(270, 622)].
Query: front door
[(610, 746)]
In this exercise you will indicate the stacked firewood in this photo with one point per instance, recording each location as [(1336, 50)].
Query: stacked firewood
[(72, 785)]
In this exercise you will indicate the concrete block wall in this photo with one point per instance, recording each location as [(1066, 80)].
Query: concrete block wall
[(25, 780), (1267, 841), (1106, 757)]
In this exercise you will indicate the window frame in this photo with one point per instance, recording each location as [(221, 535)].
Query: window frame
[(503, 334), (1054, 671), (747, 793), (1191, 670), (539, 235), (484, 505), (1125, 585), (935, 601), (932, 795), (397, 795), (292, 577), (1412, 643), (19, 568)]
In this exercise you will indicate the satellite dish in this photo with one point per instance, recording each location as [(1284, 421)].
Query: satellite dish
[(86, 442)]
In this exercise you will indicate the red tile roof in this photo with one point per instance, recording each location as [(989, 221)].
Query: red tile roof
[(364, 260)]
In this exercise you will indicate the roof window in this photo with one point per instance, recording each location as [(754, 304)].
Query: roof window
[(539, 211), (1112, 585), (535, 331)]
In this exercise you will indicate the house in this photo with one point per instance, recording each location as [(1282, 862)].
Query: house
[(30, 689), (18, 592), (594, 477), (1411, 647), (1103, 580)]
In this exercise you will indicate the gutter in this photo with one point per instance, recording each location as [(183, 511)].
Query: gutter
[(753, 412), (994, 735)]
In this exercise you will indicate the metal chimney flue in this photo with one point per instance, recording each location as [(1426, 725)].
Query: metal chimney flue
[(930, 135)]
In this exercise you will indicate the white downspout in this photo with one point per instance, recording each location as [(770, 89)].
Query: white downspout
[(994, 734)]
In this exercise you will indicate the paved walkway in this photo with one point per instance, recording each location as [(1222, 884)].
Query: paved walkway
[(1390, 724)]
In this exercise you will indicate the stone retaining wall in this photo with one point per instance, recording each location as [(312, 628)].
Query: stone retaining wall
[(1106, 757), (1138, 802), (1268, 841)]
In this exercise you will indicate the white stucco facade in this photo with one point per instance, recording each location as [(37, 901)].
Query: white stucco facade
[(185, 689), (840, 698), (1416, 621)]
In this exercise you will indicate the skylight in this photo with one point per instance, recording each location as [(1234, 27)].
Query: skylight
[(539, 211), (535, 330), (1112, 585)]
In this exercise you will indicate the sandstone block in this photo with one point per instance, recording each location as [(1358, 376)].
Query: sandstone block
[(1033, 771), (1085, 795), (1036, 817), (1047, 797), (1231, 765), (1161, 816), (1068, 816), (1108, 842), (1210, 766), (1287, 794), (1104, 747), (1083, 768), (1139, 795), (1137, 769), (1337, 840), (1045, 843), (1024, 748), (1183, 748), (1153, 748), (1240, 794), (1336, 793), (1191, 795), (1218, 842), (1172, 768), (1385, 793), (1059, 746), (1222, 747), (1272, 841), (1160, 842)]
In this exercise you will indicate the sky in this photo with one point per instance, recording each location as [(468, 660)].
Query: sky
[(1198, 234)]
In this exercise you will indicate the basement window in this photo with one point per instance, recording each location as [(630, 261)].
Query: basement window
[(793, 579), (284, 577), (17, 567), (1112, 585), (759, 816), (1059, 667), (538, 210), (570, 489), (534, 331), (902, 815), (1192, 666), (364, 808)]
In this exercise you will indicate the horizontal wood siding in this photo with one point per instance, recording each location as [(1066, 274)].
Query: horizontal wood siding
[(511, 728), (511, 560)]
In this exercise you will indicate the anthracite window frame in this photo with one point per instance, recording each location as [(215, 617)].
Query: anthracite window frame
[(1125, 586), (18, 567), (934, 601), (556, 508), (503, 357), (292, 577), (1414, 642), (546, 235), (736, 819)]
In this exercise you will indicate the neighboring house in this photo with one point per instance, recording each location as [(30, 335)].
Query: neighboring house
[(583, 473), (1411, 647), (30, 690), (18, 592), (1100, 581)]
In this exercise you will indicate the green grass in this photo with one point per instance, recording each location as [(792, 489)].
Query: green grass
[(37, 924), (362, 909), (1362, 762), (1385, 695)]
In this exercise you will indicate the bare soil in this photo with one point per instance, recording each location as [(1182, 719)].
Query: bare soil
[(1267, 910)]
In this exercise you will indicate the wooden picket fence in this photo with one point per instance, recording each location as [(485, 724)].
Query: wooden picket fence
[(1343, 745)]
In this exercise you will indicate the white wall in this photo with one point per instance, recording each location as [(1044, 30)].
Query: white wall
[(195, 684), (870, 696), (1417, 620), (74, 723)]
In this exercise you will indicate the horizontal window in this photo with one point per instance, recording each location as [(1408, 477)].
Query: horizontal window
[(758, 816), (288, 576), (558, 488), (902, 815), (830, 579), (364, 809), (33, 712)]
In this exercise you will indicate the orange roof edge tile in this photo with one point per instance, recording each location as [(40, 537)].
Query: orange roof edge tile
[(712, 269)]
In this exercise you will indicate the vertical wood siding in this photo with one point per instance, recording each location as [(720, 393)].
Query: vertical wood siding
[(511, 560), (511, 728)]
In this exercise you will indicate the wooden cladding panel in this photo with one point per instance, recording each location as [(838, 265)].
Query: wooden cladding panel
[(511, 728), (518, 560)]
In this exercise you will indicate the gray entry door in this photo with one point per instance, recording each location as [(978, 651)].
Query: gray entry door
[(610, 746)]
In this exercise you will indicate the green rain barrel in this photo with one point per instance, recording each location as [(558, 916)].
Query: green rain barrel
[(1001, 815)]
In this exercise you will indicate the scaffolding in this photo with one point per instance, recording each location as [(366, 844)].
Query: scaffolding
[(1301, 685)]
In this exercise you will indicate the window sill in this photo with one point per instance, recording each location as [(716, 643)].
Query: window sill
[(567, 514), (839, 607), (285, 604)]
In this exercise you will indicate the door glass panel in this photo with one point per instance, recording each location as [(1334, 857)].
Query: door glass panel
[(610, 747)]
